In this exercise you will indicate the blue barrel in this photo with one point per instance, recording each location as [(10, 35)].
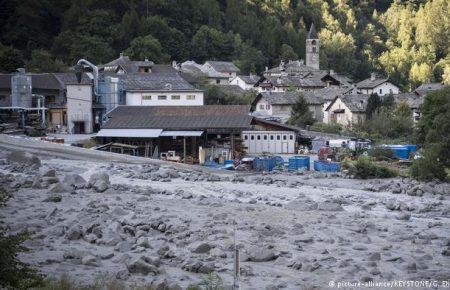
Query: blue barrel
[(327, 166), (297, 162)]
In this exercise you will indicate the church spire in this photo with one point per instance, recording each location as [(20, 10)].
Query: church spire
[(312, 32)]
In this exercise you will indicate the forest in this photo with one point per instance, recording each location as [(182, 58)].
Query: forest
[(407, 40)]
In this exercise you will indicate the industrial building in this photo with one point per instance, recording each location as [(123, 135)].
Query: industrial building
[(191, 134)]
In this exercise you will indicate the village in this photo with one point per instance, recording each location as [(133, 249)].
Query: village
[(158, 111), (131, 174)]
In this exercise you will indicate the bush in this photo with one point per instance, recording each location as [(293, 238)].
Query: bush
[(381, 154), (327, 128), (430, 166), (14, 273), (364, 168)]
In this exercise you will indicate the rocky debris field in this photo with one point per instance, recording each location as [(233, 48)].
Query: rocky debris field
[(166, 226)]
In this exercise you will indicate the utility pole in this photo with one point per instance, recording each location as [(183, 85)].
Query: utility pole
[(237, 271)]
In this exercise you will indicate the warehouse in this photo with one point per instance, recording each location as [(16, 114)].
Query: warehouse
[(189, 134)]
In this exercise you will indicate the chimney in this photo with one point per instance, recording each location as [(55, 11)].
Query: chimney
[(281, 65), (121, 54), (302, 62), (146, 59), (331, 72), (373, 76), (266, 69)]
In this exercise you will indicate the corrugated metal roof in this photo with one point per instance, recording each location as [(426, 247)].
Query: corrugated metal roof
[(182, 133), (147, 133), (179, 117)]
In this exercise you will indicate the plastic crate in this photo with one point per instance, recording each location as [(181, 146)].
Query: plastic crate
[(327, 166)]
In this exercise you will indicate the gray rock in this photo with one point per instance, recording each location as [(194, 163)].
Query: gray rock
[(261, 255), (74, 180), (143, 242), (53, 198), (375, 257), (329, 206), (100, 186), (74, 233), (202, 248), (100, 176), (49, 173), (24, 158), (60, 188), (90, 260), (404, 216), (139, 265)]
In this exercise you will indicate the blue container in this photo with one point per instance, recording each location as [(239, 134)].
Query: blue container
[(297, 162), (327, 166), (264, 164), (412, 148), (401, 151)]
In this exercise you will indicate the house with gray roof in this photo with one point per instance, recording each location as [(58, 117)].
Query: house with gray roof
[(278, 105), (124, 64), (215, 72), (424, 89), (377, 85), (308, 81), (245, 82), (347, 110)]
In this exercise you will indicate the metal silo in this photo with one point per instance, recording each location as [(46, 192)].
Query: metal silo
[(21, 89), (109, 90)]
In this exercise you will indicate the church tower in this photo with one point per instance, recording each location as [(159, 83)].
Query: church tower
[(312, 48)]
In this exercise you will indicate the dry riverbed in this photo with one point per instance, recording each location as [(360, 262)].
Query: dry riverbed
[(165, 225)]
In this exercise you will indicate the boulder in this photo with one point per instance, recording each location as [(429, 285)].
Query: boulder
[(139, 265), (100, 186), (53, 198), (60, 188), (49, 173), (90, 260), (99, 176), (329, 206), (74, 233), (74, 180), (143, 242), (24, 158), (201, 248), (261, 255)]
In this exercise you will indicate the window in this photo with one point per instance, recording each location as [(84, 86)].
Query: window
[(190, 97), (217, 81), (265, 137), (261, 107), (146, 98), (381, 91), (175, 97), (284, 137), (245, 137), (278, 137), (258, 137), (314, 49), (271, 137), (390, 91), (252, 137), (291, 137), (267, 107), (161, 98)]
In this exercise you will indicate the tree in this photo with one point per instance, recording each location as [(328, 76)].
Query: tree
[(143, 47), (43, 61), (288, 53), (434, 124), (251, 60), (373, 103), (10, 59), (14, 274), (300, 114), (210, 43)]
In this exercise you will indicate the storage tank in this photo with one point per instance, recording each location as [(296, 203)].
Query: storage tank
[(21, 89), (110, 90)]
